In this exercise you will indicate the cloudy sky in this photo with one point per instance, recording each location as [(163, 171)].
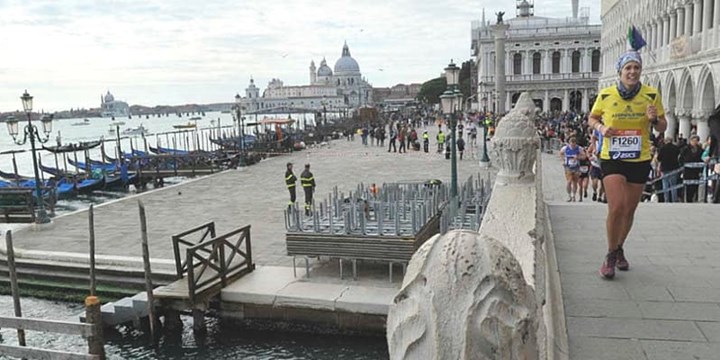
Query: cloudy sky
[(66, 53)]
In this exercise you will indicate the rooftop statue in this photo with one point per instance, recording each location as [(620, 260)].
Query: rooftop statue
[(500, 16)]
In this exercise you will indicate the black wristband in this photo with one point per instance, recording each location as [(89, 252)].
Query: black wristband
[(654, 121)]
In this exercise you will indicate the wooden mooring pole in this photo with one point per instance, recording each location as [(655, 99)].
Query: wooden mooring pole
[(148, 273), (14, 284), (93, 316)]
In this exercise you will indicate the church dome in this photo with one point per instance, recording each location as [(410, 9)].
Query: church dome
[(109, 97), (346, 64), (324, 69)]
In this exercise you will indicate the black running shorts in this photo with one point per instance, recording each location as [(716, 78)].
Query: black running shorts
[(634, 172)]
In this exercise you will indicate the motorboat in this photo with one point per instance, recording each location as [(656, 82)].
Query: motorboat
[(188, 125), (139, 130), (81, 123)]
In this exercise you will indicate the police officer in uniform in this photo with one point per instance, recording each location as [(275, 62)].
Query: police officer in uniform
[(290, 180), (307, 180)]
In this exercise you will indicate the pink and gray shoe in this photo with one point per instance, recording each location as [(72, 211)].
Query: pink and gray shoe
[(622, 263), (607, 270)]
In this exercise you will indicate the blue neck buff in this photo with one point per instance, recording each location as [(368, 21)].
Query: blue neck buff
[(626, 93)]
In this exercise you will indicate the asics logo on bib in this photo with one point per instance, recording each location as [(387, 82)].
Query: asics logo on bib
[(620, 156)]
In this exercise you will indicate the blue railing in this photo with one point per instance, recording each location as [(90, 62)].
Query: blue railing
[(706, 175)]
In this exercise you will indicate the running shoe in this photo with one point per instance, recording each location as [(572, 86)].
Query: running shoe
[(594, 196), (607, 270), (580, 199), (586, 193), (622, 263)]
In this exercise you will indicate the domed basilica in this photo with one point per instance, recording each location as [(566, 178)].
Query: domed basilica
[(339, 88)]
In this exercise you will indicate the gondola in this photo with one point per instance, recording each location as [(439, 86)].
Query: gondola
[(93, 165), (162, 150), (63, 190), (13, 177), (73, 147)]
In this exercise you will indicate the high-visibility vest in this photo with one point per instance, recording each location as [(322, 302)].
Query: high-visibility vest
[(441, 138), (290, 179), (307, 179)]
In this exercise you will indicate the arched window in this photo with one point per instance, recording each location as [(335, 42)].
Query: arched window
[(595, 60), (517, 64), (556, 62), (576, 61), (536, 63)]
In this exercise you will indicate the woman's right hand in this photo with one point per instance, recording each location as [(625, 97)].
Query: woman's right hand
[(607, 131)]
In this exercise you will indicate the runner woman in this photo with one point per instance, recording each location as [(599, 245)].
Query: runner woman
[(570, 155), (583, 179), (624, 114)]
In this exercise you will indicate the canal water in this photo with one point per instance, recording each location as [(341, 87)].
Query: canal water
[(224, 340)]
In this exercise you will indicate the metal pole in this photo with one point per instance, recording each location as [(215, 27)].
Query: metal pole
[(453, 156), (42, 217), (13, 283)]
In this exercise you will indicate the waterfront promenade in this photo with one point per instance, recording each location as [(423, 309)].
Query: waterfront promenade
[(254, 195)]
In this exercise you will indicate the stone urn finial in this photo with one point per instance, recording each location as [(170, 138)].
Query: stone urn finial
[(463, 297), (514, 147)]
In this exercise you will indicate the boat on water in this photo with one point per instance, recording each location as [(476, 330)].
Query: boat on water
[(139, 130), (188, 125), (195, 118), (81, 146), (84, 122)]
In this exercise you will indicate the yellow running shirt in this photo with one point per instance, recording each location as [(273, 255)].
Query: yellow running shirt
[(632, 143)]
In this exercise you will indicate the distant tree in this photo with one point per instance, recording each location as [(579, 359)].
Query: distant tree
[(431, 90)]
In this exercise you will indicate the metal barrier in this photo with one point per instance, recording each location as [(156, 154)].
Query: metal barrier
[(706, 175)]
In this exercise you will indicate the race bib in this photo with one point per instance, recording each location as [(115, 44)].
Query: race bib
[(627, 144), (584, 169), (571, 162)]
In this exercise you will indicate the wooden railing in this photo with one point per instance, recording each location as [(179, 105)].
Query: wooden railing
[(207, 229), (211, 264), (87, 331)]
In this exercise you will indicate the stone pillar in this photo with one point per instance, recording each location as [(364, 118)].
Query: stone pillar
[(585, 101), (566, 100), (703, 130), (716, 16), (707, 15), (513, 148), (655, 37), (680, 30), (688, 19), (673, 25), (546, 102), (547, 62), (666, 29), (697, 17), (671, 124), (499, 31), (684, 124)]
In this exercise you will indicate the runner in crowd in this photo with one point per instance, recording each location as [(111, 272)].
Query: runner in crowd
[(570, 155)]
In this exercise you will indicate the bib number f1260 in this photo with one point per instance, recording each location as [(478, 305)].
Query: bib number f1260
[(626, 144)]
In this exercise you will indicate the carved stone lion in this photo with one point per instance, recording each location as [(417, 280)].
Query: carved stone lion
[(463, 298)]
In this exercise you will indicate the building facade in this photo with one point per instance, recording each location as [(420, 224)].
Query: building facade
[(109, 107), (681, 59), (332, 90), (556, 60)]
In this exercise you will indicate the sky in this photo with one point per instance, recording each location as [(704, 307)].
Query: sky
[(67, 53)]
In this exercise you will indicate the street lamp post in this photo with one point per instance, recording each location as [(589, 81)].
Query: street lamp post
[(238, 118), (451, 101), (32, 132)]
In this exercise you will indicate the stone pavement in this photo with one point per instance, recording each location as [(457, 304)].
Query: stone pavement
[(666, 307), (254, 195)]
